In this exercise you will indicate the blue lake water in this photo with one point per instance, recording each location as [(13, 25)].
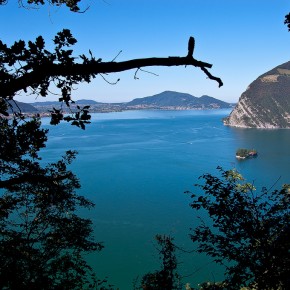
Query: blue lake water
[(136, 165)]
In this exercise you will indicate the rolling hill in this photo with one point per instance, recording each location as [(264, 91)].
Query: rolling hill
[(178, 100)]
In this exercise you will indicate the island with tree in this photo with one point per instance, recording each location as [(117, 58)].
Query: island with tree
[(243, 153)]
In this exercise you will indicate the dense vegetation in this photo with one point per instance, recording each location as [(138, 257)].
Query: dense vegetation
[(167, 277), (42, 237), (249, 233)]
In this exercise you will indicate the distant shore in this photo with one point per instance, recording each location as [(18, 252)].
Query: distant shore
[(46, 112), (165, 101), (43, 114)]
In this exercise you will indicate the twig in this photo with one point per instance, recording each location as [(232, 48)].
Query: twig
[(111, 83), (211, 76), (116, 55)]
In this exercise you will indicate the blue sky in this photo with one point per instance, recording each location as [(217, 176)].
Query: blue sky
[(241, 38)]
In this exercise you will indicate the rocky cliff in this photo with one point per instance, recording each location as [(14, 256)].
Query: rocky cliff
[(266, 102)]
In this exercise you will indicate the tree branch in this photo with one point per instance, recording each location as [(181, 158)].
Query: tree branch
[(32, 179), (48, 71)]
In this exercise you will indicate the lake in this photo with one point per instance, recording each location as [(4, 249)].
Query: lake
[(136, 165)]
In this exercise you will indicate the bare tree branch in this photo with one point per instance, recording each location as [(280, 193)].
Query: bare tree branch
[(47, 71)]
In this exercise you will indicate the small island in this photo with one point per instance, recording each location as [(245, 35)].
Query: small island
[(246, 153)]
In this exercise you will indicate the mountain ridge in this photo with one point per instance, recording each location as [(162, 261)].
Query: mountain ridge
[(167, 100), (24, 107), (177, 99)]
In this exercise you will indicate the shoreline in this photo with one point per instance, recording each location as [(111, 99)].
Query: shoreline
[(42, 113)]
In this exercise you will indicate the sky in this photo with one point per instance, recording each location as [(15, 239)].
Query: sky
[(241, 38)]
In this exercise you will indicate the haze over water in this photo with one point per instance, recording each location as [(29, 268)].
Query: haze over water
[(136, 165)]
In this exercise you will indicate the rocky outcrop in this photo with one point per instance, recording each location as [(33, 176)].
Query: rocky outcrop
[(266, 102)]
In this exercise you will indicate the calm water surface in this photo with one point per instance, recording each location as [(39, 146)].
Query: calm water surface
[(136, 166)]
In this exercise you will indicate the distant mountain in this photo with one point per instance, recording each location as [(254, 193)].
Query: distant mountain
[(87, 102), (178, 100), (24, 107), (266, 102), (167, 100), (214, 102)]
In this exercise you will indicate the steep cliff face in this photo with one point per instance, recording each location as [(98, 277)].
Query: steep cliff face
[(266, 102)]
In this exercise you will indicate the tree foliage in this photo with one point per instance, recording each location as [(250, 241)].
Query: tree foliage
[(249, 232), (43, 239), (167, 278), (287, 21), (73, 5)]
